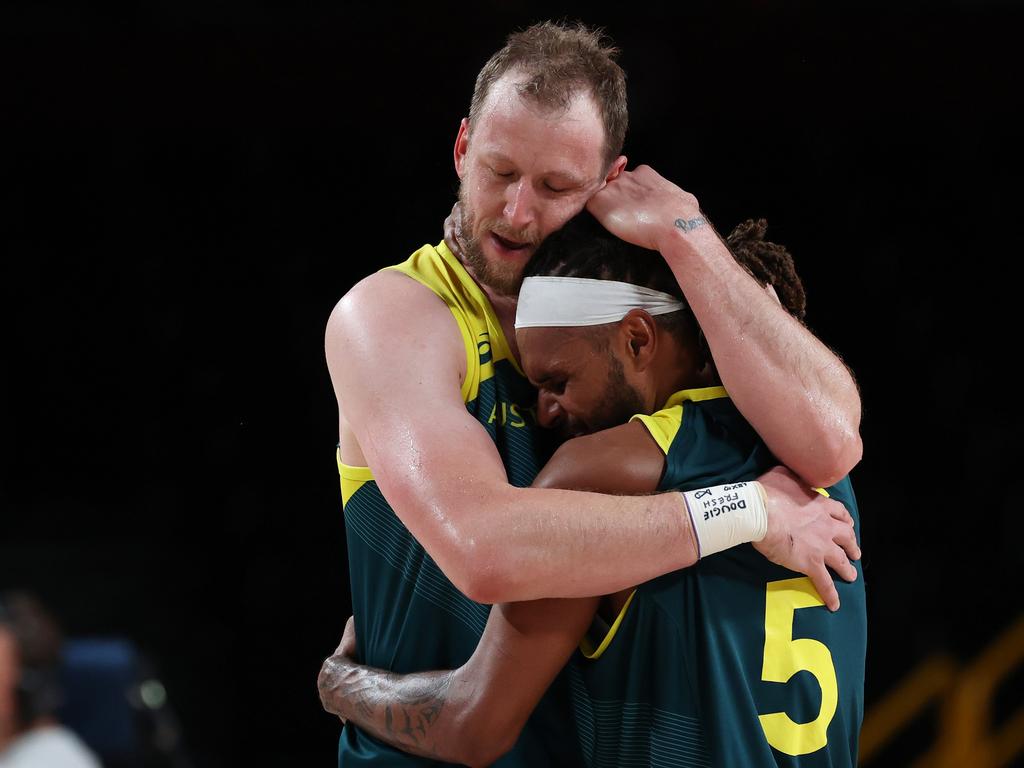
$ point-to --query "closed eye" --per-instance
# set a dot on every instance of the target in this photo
(555, 386)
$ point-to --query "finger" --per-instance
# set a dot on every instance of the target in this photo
(847, 539)
(840, 512)
(836, 560)
(822, 580)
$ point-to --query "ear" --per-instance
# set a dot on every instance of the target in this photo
(616, 168)
(640, 338)
(461, 146)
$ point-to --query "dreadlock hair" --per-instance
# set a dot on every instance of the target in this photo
(769, 263)
(584, 248)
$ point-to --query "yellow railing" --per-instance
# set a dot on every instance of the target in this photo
(965, 694)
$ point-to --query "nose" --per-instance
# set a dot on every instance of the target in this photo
(549, 412)
(520, 203)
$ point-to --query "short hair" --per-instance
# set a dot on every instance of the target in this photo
(559, 60)
(37, 638)
(584, 248)
(33, 626)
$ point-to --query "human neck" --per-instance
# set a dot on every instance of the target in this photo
(504, 306)
(676, 369)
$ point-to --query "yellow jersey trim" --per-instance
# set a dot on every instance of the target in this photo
(352, 478)
(587, 648)
(665, 424)
(481, 331)
(500, 347)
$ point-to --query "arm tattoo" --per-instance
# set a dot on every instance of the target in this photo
(402, 710)
(688, 225)
(415, 709)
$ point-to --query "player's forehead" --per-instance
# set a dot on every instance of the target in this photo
(536, 138)
(548, 353)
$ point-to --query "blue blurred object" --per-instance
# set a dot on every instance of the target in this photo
(100, 678)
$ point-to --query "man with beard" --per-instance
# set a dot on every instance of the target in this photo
(697, 667)
(438, 439)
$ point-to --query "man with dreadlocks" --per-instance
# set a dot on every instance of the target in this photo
(698, 667)
(438, 436)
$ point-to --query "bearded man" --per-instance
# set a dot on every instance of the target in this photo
(438, 435)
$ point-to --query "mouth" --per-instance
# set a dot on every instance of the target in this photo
(509, 248)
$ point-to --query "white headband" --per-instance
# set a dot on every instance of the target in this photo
(547, 302)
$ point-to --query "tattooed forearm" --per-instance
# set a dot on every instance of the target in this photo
(404, 711)
(416, 707)
(688, 225)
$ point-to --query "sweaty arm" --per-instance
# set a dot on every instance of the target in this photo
(443, 476)
(397, 377)
(474, 714)
(794, 391)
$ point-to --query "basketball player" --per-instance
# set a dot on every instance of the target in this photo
(438, 433)
(695, 668)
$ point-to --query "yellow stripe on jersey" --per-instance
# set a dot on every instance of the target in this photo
(664, 424)
(352, 478)
(587, 647)
(438, 269)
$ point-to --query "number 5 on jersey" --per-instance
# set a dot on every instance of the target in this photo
(784, 657)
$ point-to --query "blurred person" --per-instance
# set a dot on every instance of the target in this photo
(698, 667)
(30, 735)
(438, 435)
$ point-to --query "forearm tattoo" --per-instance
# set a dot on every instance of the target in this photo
(688, 225)
(402, 710)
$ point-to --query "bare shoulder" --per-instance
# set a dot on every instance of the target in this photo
(385, 294)
(391, 311)
(623, 460)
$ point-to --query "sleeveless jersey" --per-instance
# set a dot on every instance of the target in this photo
(409, 616)
(732, 662)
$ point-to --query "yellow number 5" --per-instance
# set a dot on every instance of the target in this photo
(784, 657)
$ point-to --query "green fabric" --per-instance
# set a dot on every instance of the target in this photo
(681, 683)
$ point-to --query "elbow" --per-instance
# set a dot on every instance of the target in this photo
(484, 579)
(482, 752)
(479, 568)
(466, 541)
(482, 744)
(836, 455)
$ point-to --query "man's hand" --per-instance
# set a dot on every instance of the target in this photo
(333, 668)
(641, 206)
(807, 532)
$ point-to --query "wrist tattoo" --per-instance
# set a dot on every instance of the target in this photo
(688, 225)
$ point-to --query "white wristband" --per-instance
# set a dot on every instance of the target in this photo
(726, 515)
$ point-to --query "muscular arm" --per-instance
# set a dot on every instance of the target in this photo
(474, 714)
(396, 376)
(396, 356)
(793, 390)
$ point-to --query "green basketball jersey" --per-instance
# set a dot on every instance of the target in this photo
(734, 662)
(409, 616)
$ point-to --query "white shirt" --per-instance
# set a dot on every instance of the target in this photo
(51, 746)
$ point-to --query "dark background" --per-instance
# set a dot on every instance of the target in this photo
(189, 187)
